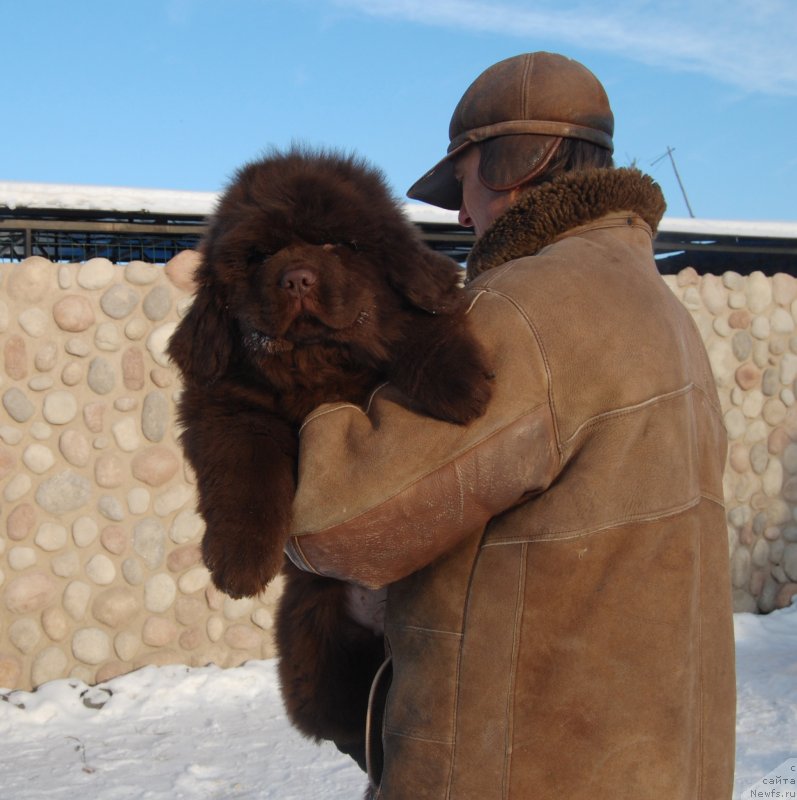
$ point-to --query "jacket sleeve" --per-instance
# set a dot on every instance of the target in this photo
(384, 491)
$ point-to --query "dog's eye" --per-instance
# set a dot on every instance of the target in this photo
(351, 244)
(258, 257)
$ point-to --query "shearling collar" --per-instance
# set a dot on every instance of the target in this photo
(545, 212)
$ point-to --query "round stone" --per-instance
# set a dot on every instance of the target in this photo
(760, 328)
(133, 371)
(100, 570)
(75, 448)
(735, 423)
(140, 273)
(114, 539)
(180, 269)
(742, 345)
(187, 525)
(774, 412)
(162, 377)
(17, 488)
(772, 479)
(782, 321)
(20, 558)
(19, 408)
(740, 319)
(93, 416)
(21, 520)
(784, 288)
(160, 592)
(188, 610)
(758, 291)
(107, 337)
(77, 347)
(115, 607)
(172, 499)
(788, 368)
(10, 669)
(109, 472)
(136, 329)
(132, 571)
(24, 635)
(155, 416)
(46, 357)
(101, 375)
(790, 458)
(91, 645)
(747, 376)
(67, 491)
(76, 599)
(125, 432)
(789, 561)
(40, 383)
(111, 508)
(73, 313)
(10, 435)
(149, 541)
(125, 404)
(190, 639)
(770, 382)
(59, 407)
(118, 301)
(65, 276)
(237, 609)
(96, 273)
(28, 593)
(741, 567)
(215, 628)
(49, 665)
(158, 631)
(194, 580)
(84, 531)
(5, 316)
(184, 557)
(33, 321)
(157, 304)
(721, 327)
(66, 565)
(55, 623)
(753, 403)
(242, 637)
(72, 373)
(30, 280)
(158, 341)
(138, 500)
(154, 465)
(263, 618)
(714, 294)
(126, 645)
(51, 537)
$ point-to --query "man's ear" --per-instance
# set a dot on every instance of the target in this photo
(428, 279)
(203, 342)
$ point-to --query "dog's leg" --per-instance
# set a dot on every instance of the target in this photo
(327, 661)
(245, 461)
(443, 369)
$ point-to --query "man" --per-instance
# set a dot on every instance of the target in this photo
(558, 609)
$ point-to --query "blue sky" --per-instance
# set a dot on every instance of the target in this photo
(176, 94)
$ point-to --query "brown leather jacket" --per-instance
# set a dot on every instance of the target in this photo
(559, 610)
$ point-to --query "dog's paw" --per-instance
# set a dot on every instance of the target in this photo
(240, 566)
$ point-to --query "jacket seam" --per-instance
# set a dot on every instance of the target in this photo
(509, 732)
(546, 363)
(427, 631)
(628, 410)
(416, 737)
(618, 523)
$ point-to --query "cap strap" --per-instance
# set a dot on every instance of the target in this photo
(545, 127)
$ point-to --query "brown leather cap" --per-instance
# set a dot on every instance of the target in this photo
(520, 109)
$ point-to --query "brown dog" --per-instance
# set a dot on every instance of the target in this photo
(313, 287)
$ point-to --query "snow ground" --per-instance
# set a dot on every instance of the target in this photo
(168, 733)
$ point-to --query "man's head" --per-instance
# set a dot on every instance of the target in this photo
(527, 117)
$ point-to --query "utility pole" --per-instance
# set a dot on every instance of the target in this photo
(670, 151)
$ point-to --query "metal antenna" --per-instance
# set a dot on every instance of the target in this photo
(670, 151)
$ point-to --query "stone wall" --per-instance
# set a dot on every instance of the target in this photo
(100, 568)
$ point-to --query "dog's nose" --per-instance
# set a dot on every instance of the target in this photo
(298, 281)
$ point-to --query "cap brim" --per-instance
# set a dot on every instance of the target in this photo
(439, 186)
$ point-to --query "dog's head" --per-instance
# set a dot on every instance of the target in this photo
(308, 248)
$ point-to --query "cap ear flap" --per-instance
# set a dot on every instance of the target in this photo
(203, 342)
(428, 279)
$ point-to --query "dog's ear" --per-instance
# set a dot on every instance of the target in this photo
(203, 342)
(428, 279)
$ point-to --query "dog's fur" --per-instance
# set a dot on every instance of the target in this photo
(313, 287)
